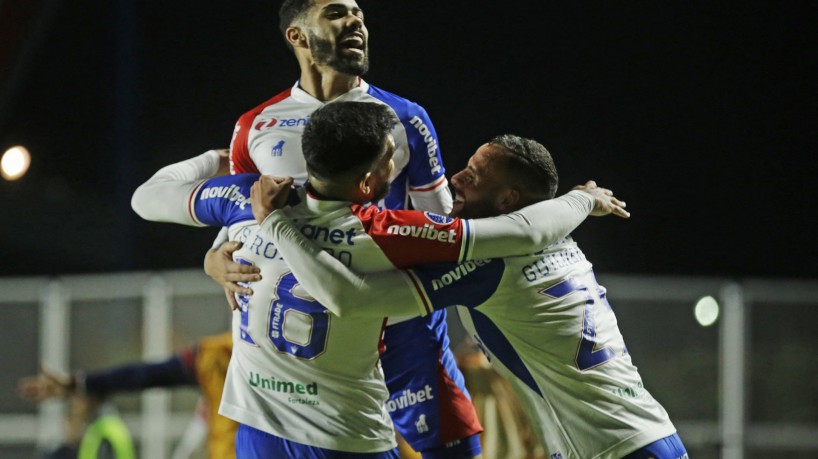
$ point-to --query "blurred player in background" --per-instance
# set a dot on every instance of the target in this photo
(203, 364)
(301, 379)
(542, 319)
(331, 44)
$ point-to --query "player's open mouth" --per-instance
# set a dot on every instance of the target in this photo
(354, 42)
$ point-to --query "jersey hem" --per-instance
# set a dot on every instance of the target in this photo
(640, 440)
(350, 445)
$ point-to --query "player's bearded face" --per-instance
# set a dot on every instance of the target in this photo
(348, 53)
(477, 186)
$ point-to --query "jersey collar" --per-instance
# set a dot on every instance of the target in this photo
(303, 96)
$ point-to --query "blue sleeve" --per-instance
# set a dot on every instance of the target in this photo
(224, 200)
(137, 376)
(468, 284)
(425, 161)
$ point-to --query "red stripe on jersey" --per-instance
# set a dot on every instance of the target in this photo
(410, 237)
(240, 160)
(191, 202)
(442, 181)
(422, 294)
(457, 416)
(381, 344)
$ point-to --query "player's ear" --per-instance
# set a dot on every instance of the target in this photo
(296, 37)
(364, 185)
(508, 200)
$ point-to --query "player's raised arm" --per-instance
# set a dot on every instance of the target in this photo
(542, 224)
(347, 293)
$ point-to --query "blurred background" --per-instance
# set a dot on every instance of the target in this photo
(701, 115)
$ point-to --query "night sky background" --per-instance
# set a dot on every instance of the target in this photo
(701, 115)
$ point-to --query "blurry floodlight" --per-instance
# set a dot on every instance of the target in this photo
(706, 311)
(15, 163)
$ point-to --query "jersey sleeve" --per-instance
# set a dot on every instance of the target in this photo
(469, 284)
(428, 187)
(223, 201)
(166, 196)
(409, 238)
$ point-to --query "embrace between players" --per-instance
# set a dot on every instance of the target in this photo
(332, 343)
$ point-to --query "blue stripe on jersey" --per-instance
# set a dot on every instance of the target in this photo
(469, 284)
(490, 337)
(225, 200)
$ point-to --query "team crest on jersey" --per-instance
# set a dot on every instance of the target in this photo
(557, 455)
(439, 219)
(278, 149)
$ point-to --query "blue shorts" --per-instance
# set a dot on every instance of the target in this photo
(252, 443)
(428, 400)
(667, 448)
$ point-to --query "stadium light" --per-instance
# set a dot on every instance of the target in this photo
(15, 163)
(706, 311)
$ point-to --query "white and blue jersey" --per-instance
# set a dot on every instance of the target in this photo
(267, 140)
(545, 324)
(297, 371)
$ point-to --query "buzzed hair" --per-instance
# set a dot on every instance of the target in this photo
(290, 12)
(345, 137)
(530, 165)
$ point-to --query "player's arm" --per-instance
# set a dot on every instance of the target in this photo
(542, 224)
(336, 287)
(165, 197)
(428, 187)
(345, 292)
(179, 370)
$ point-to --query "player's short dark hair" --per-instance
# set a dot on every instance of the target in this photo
(343, 137)
(289, 12)
(530, 165)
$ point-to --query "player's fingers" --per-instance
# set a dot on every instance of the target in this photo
(242, 277)
(617, 202)
(233, 267)
(230, 247)
(231, 300)
(620, 212)
(233, 287)
(591, 184)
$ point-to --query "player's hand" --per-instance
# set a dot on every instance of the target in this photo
(219, 265)
(48, 384)
(604, 201)
(224, 161)
(268, 194)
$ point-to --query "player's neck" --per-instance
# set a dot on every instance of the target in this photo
(331, 192)
(326, 84)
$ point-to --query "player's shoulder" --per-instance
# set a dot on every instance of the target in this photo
(405, 109)
(252, 113)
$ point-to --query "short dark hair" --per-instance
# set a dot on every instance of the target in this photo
(289, 12)
(343, 137)
(530, 165)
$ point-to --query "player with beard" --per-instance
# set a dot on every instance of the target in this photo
(541, 319)
(330, 42)
(302, 381)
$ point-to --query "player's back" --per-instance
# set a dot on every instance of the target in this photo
(298, 371)
(546, 325)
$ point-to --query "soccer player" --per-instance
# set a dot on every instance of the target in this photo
(330, 41)
(203, 364)
(303, 382)
(542, 319)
